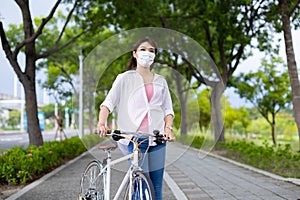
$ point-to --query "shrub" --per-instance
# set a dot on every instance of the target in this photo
(20, 166)
(280, 160)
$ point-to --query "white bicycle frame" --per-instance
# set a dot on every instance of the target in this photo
(134, 165)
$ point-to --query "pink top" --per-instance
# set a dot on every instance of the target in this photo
(144, 127)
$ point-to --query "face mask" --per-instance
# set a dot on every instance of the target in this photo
(145, 58)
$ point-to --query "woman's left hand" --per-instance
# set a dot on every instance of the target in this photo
(169, 134)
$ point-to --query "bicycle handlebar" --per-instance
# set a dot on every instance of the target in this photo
(117, 135)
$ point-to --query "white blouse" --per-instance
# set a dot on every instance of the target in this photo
(129, 97)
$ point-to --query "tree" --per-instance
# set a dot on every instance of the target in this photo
(288, 9)
(182, 84)
(63, 71)
(223, 28)
(284, 15)
(268, 90)
(34, 50)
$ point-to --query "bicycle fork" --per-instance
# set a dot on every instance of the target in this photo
(128, 176)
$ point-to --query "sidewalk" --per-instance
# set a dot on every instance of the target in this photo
(204, 177)
(189, 175)
(63, 183)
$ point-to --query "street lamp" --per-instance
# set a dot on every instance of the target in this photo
(80, 57)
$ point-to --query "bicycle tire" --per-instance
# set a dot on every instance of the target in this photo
(92, 184)
(140, 180)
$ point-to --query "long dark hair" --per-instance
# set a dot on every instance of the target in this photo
(132, 63)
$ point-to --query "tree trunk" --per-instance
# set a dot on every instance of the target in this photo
(184, 123)
(35, 136)
(273, 129)
(91, 114)
(27, 78)
(182, 95)
(291, 62)
(216, 112)
(28, 81)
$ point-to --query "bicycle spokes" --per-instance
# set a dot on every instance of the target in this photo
(92, 183)
(141, 188)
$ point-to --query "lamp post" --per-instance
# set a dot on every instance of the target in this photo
(80, 94)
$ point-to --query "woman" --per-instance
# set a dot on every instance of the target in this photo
(144, 104)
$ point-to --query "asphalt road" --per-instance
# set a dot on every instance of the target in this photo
(10, 139)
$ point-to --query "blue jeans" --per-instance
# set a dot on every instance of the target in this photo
(153, 164)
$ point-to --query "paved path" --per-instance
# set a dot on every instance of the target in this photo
(205, 177)
(63, 184)
(189, 175)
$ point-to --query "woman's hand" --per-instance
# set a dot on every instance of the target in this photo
(101, 129)
(169, 134)
(168, 131)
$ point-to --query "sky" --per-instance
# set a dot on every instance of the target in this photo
(10, 14)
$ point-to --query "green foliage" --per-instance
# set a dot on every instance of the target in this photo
(268, 89)
(237, 116)
(197, 141)
(285, 126)
(20, 166)
(281, 160)
(204, 107)
(14, 118)
(15, 34)
(48, 110)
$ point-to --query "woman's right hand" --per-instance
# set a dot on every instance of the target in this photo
(101, 129)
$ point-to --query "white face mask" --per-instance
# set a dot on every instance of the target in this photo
(145, 58)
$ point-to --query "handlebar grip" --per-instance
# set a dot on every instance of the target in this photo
(116, 136)
(159, 138)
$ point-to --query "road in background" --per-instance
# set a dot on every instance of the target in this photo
(10, 139)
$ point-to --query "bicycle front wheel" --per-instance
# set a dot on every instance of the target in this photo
(141, 188)
(92, 183)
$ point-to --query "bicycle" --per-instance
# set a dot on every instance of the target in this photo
(95, 181)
